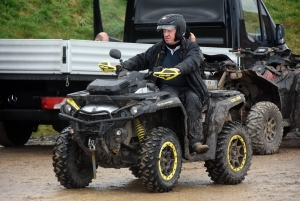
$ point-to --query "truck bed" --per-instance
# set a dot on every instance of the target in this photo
(43, 58)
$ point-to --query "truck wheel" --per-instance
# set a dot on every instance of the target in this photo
(265, 127)
(135, 171)
(233, 155)
(160, 160)
(15, 133)
(72, 166)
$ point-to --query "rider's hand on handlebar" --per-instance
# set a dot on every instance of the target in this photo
(118, 68)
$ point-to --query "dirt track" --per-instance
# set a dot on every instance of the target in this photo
(26, 173)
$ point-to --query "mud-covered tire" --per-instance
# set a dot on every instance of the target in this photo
(15, 133)
(72, 166)
(265, 128)
(160, 160)
(233, 155)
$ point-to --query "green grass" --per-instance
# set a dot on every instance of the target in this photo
(73, 19)
(287, 12)
(44, 130)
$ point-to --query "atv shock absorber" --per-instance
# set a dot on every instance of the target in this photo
(139, 129)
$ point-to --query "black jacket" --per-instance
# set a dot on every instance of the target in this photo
(190, 66)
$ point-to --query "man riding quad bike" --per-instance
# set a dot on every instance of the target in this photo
(129, 123)
(271, 89)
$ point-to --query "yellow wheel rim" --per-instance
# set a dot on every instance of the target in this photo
(236, 153)
(167, 161)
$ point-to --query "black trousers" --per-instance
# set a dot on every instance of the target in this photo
(193, 108)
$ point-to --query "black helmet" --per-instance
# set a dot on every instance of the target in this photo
(177, 21)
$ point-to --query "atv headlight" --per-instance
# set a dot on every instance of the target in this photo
(133, 110)
(67, 109)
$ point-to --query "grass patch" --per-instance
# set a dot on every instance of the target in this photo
(49, 19)
(44, 130)
(287, 12)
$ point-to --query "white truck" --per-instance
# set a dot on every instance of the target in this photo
(36, 74)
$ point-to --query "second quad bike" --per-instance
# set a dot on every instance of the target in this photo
(271, 89)
(129, 123)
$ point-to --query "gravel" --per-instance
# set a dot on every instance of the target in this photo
(44, 140)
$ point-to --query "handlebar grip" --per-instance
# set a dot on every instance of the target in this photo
(233, 50)
(119, 68)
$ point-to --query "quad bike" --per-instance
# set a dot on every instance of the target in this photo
(129, 123)
(271, 89)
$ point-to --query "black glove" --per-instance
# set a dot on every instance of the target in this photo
(157, 69)
(119, 68)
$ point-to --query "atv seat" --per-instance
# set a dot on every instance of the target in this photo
(216, 62)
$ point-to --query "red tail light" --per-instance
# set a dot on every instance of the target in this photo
(52, 103)
(269, 75)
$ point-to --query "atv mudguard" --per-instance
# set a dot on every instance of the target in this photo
(165, 104)
(219, 104)
(295, 102)
(263, 85)
(160, 105)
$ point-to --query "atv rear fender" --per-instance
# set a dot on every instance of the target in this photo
(254, 86)
(220, 103)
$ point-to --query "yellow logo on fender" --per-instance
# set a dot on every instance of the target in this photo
(235, 99)
(165, 103)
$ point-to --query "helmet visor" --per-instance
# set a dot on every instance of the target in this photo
(168, 27)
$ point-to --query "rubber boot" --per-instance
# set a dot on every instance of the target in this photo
(200, 148)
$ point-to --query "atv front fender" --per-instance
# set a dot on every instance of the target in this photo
(164, 104)
(160, 105)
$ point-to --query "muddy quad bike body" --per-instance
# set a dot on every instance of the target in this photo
(129, 123)
(271, 91)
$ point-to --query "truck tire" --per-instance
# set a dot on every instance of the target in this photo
(233, 155)
(160, 160)
(72, 166)
(265, 127)
(15, 133)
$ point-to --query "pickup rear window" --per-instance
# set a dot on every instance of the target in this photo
(194, 11)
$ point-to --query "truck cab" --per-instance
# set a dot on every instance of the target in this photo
(216, 23)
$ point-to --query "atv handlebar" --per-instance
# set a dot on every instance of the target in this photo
(106, 67)
(165, 73)
(160, 72)
(260, 53)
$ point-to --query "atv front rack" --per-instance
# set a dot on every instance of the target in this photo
(89, 123)
(85, 95)
(104, 124)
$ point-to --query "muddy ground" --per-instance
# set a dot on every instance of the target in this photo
(26, 173)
